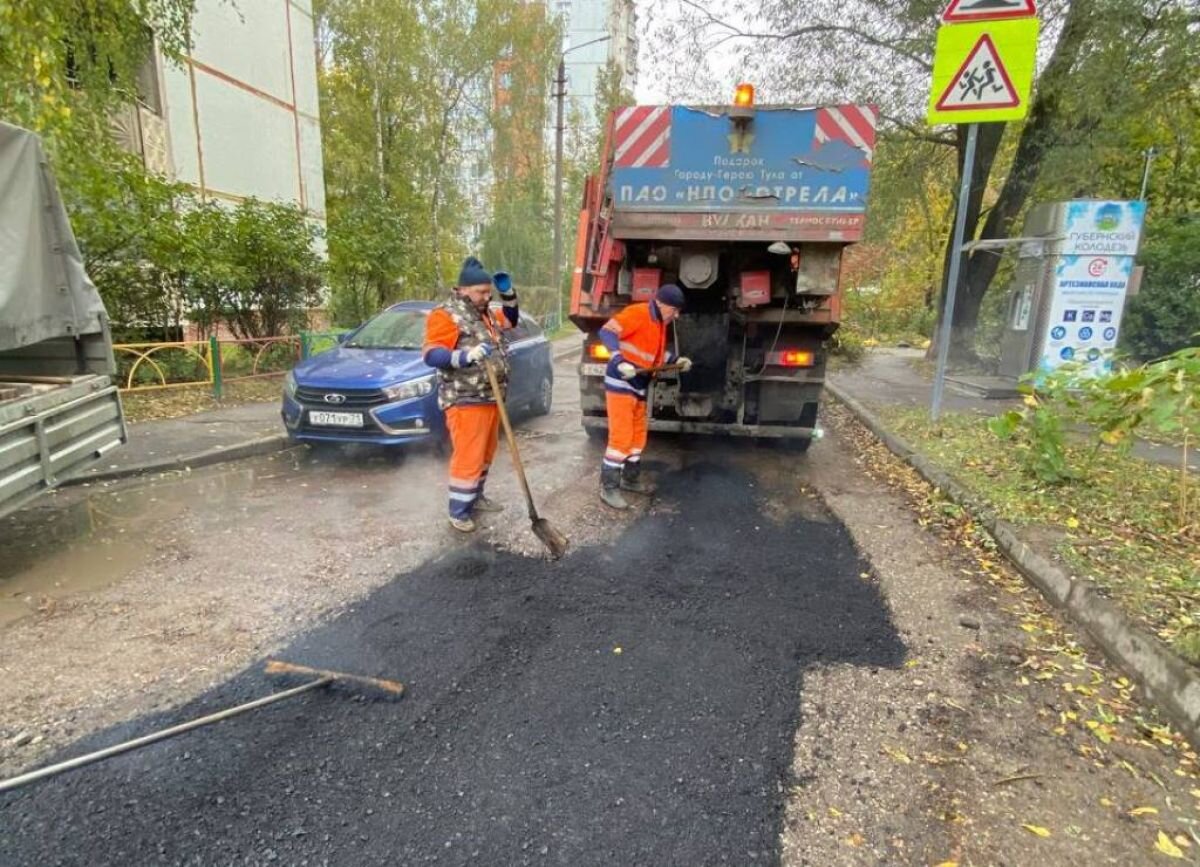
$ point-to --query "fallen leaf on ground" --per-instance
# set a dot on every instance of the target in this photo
(1040, 831)
(1168, 848)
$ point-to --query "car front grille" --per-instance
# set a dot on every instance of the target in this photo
(354, 398)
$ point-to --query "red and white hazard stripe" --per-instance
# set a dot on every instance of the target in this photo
(643, 136)
(853, 124)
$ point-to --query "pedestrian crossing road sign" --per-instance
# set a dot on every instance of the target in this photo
(983, 72)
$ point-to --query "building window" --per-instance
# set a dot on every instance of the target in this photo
(148, 93)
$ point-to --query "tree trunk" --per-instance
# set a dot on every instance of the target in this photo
(435, 204)
(986, 145)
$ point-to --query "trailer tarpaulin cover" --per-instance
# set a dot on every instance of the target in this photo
(44, 290)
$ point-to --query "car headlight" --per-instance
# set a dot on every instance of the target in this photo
(289, 384)
(409, 390)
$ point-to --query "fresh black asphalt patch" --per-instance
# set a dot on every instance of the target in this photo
(631, 704)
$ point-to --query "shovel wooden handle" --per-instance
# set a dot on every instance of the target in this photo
(511, 437)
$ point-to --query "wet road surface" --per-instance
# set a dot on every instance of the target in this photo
(814, 668)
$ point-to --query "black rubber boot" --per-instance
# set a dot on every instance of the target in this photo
(632, 481)
(610, 488)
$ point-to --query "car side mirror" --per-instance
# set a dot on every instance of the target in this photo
(343, 337)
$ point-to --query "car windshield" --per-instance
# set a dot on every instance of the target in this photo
(392, 329)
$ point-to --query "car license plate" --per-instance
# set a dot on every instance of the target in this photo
(592, 369)
(335, 419)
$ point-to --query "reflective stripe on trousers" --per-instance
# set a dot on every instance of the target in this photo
(474, 435)
(628, 427)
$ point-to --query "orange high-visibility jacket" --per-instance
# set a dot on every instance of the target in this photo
(641, 339)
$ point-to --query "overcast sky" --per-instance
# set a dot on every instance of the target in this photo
(664, 76)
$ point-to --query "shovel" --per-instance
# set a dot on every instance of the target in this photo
(555, 542)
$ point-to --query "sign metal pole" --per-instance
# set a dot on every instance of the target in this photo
(960, 223)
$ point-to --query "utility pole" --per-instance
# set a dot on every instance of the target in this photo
(956, 253)
(560, 94)
(560, 91)
(1149, 153)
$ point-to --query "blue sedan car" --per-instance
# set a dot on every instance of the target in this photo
(374, 386)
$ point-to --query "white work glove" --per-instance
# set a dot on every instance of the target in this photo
(478, 353)
(685, 364)
(627, 370)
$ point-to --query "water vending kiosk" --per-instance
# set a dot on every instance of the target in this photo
(1069, 288)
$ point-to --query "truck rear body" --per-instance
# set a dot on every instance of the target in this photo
(748, 210)
(59, 409)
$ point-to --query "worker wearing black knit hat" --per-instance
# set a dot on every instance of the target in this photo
(637, 339)
(461, 336)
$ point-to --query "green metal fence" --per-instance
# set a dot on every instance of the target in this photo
(143, 367)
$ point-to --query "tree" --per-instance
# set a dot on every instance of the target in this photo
(371, 247)
(64, 63)
(406, 99)
(253, 268)
(519, 235)
(1165, 316)
(130, 235)
(583, 141)
(379, 106)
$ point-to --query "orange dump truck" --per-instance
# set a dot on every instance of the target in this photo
(748, 210)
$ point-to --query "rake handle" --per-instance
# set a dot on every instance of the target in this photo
(160, 735)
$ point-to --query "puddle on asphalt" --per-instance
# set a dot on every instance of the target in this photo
(81, 540)
(87, 541)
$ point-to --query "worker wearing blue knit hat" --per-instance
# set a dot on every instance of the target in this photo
(637, 339)
(462, 335)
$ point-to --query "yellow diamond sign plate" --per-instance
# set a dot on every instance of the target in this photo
(983, 72)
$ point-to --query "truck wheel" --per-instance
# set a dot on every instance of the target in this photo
(597, 434)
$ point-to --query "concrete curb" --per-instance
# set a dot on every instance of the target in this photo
(219, 454)
(1170, 682)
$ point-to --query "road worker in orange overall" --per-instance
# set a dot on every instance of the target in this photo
(637, 339)
(462, 335)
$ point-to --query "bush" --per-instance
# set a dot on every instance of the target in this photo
(847, 343)
(254, 268)
(1039, 433)
(1162, 397)
(159, 255)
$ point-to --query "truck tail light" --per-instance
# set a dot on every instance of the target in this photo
(599, 352)
(792, 358)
